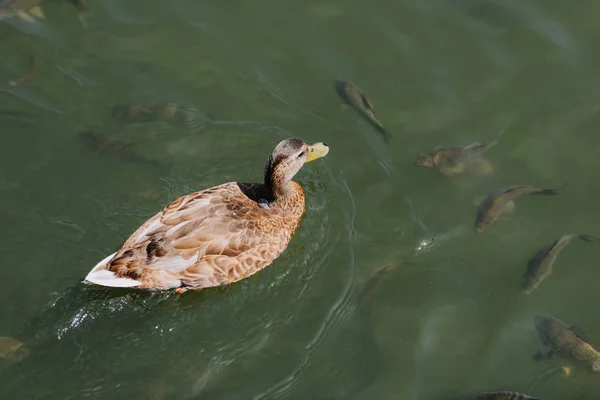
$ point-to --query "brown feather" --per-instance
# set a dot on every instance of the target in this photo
(219, 235)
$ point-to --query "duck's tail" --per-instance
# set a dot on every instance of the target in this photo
(99, 275)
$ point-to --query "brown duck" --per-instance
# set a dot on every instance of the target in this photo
(216, 236)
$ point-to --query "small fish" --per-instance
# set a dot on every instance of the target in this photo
(501, 395)
(540, 266)
(104, 145)
(169, 112)
(355, 98)
(561, 340)
(491, 207)
(8, 346)
(454, 157)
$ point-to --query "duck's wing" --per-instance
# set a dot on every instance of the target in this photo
(200, 240)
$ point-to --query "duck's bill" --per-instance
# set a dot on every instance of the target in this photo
(316, 151)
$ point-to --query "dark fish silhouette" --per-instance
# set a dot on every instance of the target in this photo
(501, 395)
(540, 266)
(105, 145)
(491, 207)
(559, 339)
(170, 112)
(376, 278)
(454, 158)
(355, 98)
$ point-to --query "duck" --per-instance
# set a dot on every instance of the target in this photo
(217, 236)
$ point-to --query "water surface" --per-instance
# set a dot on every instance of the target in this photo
(446, 319)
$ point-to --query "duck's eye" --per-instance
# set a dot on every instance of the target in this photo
(302, 154)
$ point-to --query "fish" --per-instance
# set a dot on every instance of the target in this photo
(491, 207)
(454, 158)
(561, 340)
(169, 112)
(501, 395)
(355, 98)
(376, 278)
(105, 145)
(540, 266)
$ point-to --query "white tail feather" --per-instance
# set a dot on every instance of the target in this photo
(101, 276)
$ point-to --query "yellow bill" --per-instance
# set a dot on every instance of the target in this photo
(316, 151)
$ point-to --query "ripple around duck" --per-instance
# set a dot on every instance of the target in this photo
(189, 332)
(439, 72)
(343, 309)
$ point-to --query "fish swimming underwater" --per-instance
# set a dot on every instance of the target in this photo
(540, 266)
(491, 207)
(105, 145)
(355, 98)
(169, 112)
(454, 159)
(559, 339)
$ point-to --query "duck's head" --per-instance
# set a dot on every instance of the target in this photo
(286, 160)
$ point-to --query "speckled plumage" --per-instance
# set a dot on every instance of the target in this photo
(219, 235)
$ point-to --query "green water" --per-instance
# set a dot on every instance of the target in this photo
(446, 320)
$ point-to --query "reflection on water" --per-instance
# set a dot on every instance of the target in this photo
(385, 291)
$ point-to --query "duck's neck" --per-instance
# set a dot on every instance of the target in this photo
(279, 189)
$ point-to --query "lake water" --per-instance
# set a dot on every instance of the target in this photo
(445, 319)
